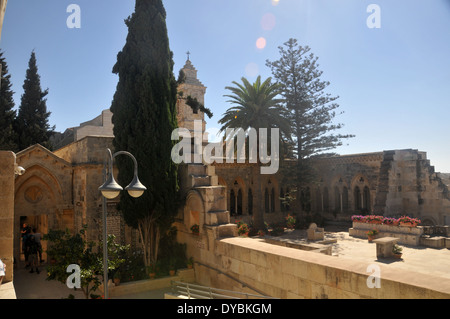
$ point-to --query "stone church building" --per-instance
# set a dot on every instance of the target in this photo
(59, 189)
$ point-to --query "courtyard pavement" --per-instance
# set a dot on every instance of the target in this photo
(419, 259)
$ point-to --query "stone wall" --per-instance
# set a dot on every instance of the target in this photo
(7, 160)
(249, 265)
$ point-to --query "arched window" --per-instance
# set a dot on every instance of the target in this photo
(232, 203)
(250, 201)
(239, 202)
(326, 201)
(306, 200)
(272, 201)
(266, 200)
(357, 198)
(345, 205)
(366, 199)
(282, 205)
(337, 200)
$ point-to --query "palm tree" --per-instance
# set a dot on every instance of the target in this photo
(256, 106)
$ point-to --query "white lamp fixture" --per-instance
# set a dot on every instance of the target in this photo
(110, 190)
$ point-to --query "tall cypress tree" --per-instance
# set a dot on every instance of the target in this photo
(7, 114)
(144, 116)
(33, 119)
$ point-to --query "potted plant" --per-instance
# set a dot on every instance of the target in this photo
(195, 229)
(290, 221)
(397, 251)
(152, 271)
(117, 278)
(243, 229)
(190, 263)
(371, 235)
(172, 269)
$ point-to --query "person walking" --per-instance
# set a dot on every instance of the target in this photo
(32, 249)
(26, 230)
(37, 238)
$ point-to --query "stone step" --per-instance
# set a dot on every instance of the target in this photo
(227, 230)
(217, 217)
(200, 180)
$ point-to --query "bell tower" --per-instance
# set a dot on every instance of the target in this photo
(194, 88)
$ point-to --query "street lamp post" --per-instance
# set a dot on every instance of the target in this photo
(111, 189)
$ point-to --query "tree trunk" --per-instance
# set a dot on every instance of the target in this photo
(150, 237)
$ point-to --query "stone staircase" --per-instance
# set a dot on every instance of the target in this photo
(203, 179)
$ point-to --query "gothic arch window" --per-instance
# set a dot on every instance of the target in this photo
(272, 201)
(337, 200)
(250, 201)
(306, 199)
(357, 198)
(232, 203)
(345, 204)
(366, 199)
(266, 200)
(319, 206)
(239, 202)
(326, 202)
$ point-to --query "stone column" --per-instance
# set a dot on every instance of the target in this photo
(7, 162)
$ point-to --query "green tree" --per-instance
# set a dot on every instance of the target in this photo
(67, 249)
(7, 112)
(256, 106)
(311, 109)
(33, 119)
(144, 116)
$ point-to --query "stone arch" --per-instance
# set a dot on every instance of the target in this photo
(361, 194)
(271, 200)
(428, 221)
(39, 202)
(237, 200)
(194, 210)
(339, 194)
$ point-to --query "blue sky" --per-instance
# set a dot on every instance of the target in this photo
(393, 81)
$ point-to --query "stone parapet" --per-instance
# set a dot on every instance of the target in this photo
(406, 235)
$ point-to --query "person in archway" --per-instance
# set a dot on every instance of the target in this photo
(25, 232)
(32, 248)
(37, 238)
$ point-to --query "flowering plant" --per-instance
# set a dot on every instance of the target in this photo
(390, 221)
(243, 229)
(358, 218)
(195, 229)
(407, 219)
(372, 232)
(374, 218)
(290, 221)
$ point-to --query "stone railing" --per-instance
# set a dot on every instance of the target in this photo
(406, 234)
